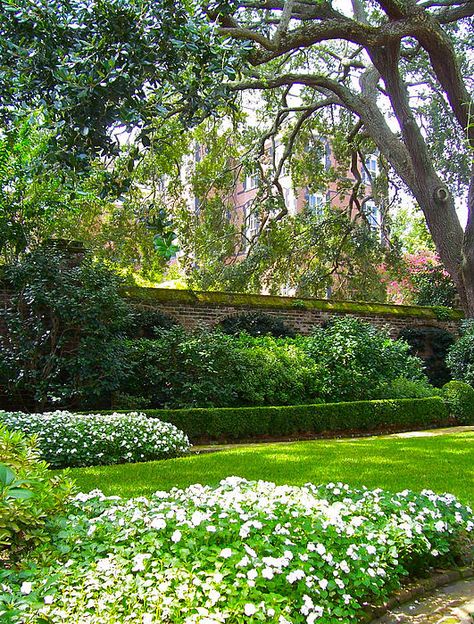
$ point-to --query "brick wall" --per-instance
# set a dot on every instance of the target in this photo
(193, 310)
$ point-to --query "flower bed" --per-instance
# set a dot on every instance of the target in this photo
(241, 552)
(66, 439)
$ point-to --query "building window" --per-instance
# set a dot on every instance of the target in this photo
(315, 202)
(372, 214)
(251, 225)
(327, 156)
(250, 181)
(372, 167)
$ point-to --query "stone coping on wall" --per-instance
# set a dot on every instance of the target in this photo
(242, 300)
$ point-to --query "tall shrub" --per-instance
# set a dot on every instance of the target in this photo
(209, 369)
(460, 359)
(61, 343)
(356, 359)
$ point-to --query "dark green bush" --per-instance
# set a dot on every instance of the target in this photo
(432, 345)
(23, 516)
(349, 360)
(460, 359)
(250, 422)
(356, 360)
(256, 324)
(62, 343)
(147, 322)
(459, 398)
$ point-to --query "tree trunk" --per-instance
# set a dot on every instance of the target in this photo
(467, 253)
(434, 198)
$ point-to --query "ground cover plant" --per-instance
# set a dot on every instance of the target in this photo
(66, 439)
(244, 551)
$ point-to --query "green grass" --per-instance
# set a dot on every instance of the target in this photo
(443, 463)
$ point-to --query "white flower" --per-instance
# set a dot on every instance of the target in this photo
(147, 618)
(158, 523)
(226, 553)
(49, 599)
(250, 609)
(139, 562)
(214, 596)
(176, 537)
(267, 573)
(26, 587)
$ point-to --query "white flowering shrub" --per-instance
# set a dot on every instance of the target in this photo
(66, 439)
(241, 552)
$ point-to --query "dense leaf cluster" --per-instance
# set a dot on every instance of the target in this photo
(39, 496)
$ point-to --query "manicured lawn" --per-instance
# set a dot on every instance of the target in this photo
(443, 463)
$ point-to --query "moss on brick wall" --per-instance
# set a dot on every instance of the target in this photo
(240, 300)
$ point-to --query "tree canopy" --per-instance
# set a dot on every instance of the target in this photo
(390, 76)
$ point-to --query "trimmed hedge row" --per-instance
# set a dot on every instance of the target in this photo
(247, 422)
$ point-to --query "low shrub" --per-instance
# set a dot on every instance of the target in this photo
(460, 359)
(66, 439)
(29, 496)
(256, 324)
(244, 551)
(459, 398)
(249, 422)
(357, 359)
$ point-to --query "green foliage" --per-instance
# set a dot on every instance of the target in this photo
(251, 422)
(212, 369)
(408, 389)
(459, 398)
(64, 439)
(460, 359)
(256, 324)
(29, 496)
(432, 344)
(349, 360)
(94, 66)
(63, 326)
(356, 359)
(434, 287)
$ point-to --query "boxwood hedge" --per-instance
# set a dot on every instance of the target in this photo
(234, 423)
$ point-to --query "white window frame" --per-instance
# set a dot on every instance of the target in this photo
(316, 202)
(372, 166)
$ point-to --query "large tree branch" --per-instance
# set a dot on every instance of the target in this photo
(339, 27)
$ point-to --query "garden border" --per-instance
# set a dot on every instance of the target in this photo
(239, 423)
(415, 590)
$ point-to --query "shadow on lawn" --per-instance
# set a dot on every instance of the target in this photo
(443, 463)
